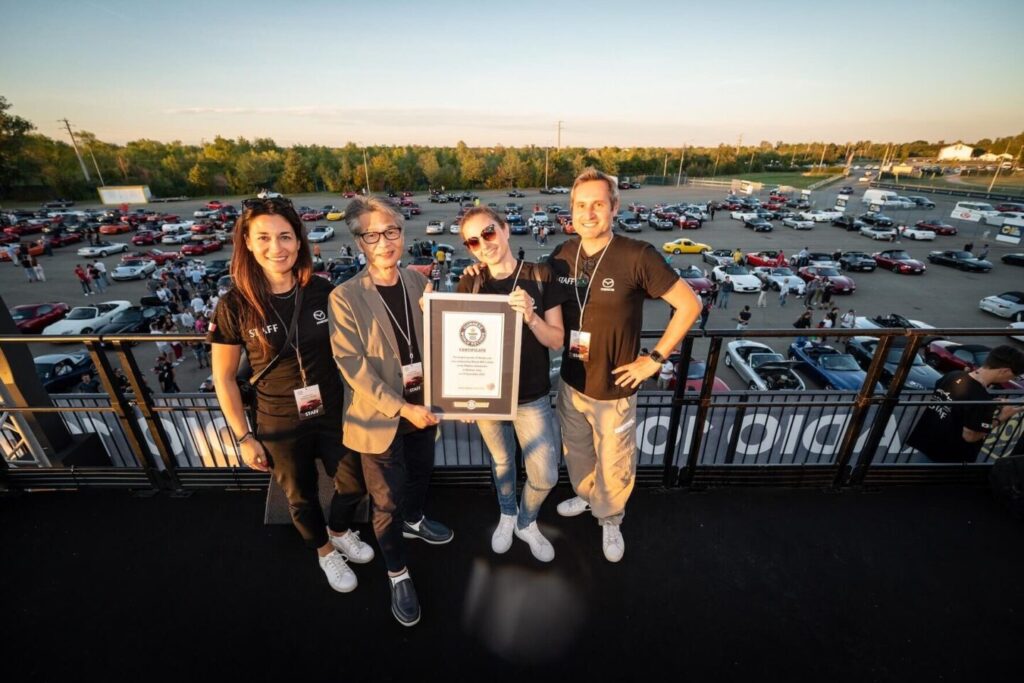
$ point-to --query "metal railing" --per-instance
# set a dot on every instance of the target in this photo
(948, 190)
(684, 437)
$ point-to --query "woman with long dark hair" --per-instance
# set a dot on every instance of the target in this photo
(277, 312)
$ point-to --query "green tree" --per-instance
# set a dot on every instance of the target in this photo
(14, 132)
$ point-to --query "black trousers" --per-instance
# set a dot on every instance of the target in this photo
(293, 447)
(397, 480)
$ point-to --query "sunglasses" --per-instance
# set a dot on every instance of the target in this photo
(374, 237)
(488, 233)
(266, 204)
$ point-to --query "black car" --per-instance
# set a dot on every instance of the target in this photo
(1014, 259)
(849, 223)
(459, 265)
(342, 269)
(516, 193)
(877, 219)
(758, 225)
(964, 260)
(921, 375)
(133, 319)
(857, 260)
(63, 371)
(845, 189)
(922, 202)
(217, 268)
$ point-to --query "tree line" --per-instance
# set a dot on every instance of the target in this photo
(33, 165)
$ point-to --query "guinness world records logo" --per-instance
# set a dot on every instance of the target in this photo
(472, 333)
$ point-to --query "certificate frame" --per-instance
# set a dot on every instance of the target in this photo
(498, 322)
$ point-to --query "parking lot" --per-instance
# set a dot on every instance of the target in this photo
(942, 297)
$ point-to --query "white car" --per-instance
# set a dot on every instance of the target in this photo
(820, 215)
(1000, 218)
(175, 238)
(798, 223)
(177, 227)
(762, 368)
(103, 249)
(694, 210)
(267, 194)
(320, 233)
(205, 213)
(912, 233)
(136, 269)
(86, 319)
(779, 277)
(742, 215)
(1005, 305)
(560, 190)
(893, 320)
(742, 279)
(435, 228)
(1016, 331)
(877, 233)
(538, 218)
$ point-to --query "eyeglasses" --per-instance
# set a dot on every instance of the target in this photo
(275, 202)
(374, 237)
(488, 233)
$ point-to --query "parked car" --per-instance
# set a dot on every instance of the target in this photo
(964, 260)
(435, 227)
(892, 320)
(849, 223)
(320, 233)
(841, 284)
(422, 265)
(134, 319)
(33, 318)
(798, 223)
(156, 255)
(718, 257)
(876, 219)
(922, 202)
(1006, 305)
(1013, 259)
(200, 248)
(145, 238)
(87, 319)
(761, 368)
(779, 277)
(62, 372)
(684, 246)
(335, 215)
(694, 277)
(899, 261)
(937, 226)
(832, 369)
(879, 233)
(758, 225)
(945, 355)
(742, 279)
(102, 249)
(765, 257)
(916, 233)
(133, 269)
(115, 229)
(820, 215)
(919, 376)
(857, 260)
(629, 225)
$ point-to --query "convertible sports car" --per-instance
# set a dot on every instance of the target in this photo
(102, 249)
(832, 369)
(144, 238)
(857, 260)
(899, 261)
(33, 318)
(694, 277)
(87, 319)
(767, 257)
(1006, 305)
(964, 260)
(200, 248)
(758, 224)
(320, 233)
(877, 232)
(62, 371)
(684, 246)
(841, 284)
(877, 219)
(718, 257)
(134, 269)
(760, 367)
(917, 233)
(777, 278)
(1013, 259)
(820, 216)
(945, 355)
(798, 223)
(893, 320)
(160, 257)
(849, 223)
(920, 376)
(742, 279)
(937, 226)
(133, 319)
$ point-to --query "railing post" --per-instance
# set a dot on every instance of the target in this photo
(860, 410)
(677, 408)
(884, 412)
(125, 415)
(144, 402)
(714, 350)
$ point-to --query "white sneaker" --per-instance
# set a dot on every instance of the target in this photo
(612, 541)
(572, 507)
(349, 545)
(539, 546)
(341, 578)
(501, 540)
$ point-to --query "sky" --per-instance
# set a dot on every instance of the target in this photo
(614, 73)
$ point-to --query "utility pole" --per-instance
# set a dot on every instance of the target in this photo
(559, 138)
(719, 156)
(81, 162)
(94, 164)
(679, 176)
(821, 163)
(545, 168)
(999, 166)
(366, 169)
(664, 171)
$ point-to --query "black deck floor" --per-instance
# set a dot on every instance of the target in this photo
(909, 585)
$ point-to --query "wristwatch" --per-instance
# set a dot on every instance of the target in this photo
(656, 357)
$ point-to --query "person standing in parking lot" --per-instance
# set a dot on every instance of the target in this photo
(726, 290)
(83, 279)
(609, 278)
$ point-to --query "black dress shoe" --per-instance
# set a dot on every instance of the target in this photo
(404, 603)
(430, 531)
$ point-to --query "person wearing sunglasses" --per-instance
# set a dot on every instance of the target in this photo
(532, 292)
(377, 337)
(609, 279)
(275, 313)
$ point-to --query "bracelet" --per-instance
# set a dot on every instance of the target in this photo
(245, 437)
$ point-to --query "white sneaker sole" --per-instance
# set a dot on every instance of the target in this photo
(573, 512)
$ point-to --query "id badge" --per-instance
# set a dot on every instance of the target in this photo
(308, 401)
(412, 378)
(579, 345)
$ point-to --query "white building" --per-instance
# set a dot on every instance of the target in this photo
(989, 157)
(957, 152)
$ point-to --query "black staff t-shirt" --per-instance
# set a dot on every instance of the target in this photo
(312, 336)
(630, 272)
(939, 432)
(535, 361)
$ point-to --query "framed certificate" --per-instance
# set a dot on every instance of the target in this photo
(471, 356)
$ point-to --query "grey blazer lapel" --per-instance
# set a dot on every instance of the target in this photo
(371, 297)
(414, 294)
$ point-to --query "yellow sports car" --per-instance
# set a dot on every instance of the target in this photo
(684, 246)
(335, 215)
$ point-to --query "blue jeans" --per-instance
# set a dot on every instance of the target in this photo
(534, 426)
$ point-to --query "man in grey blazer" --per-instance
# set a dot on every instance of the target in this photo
(377, 337)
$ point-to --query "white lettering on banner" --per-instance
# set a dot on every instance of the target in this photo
(793, 434)
(818, 447)
(769, 434)
(650, 439)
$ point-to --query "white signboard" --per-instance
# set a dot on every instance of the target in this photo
(1010, 231)
(125, 194)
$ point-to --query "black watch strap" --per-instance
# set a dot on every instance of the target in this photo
(657, 357)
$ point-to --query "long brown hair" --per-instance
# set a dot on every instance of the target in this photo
(246, 273)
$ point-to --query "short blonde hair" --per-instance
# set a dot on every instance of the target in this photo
(361, 206)
(590, 173)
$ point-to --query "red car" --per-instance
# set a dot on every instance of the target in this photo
(687, 223)
(694, 277)
(35, 249)
(695, 376)
(1010, 206)
(349, 194)
(313, 216)
(899, 261)
(945, 356)
(936, 226)
(214, 204)
(768, 257)
(115, 229)
(841, 284)
(202, 229)
(145, 238)
(32, 318)
(414, 208)
(62, 238)
(200, 248)
(24, 229)
(160, 257)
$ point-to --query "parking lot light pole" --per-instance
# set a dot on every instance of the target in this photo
(366, 170)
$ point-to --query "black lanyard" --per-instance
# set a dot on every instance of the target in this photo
(289, 340)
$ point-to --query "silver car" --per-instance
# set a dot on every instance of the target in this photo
(762, 368)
